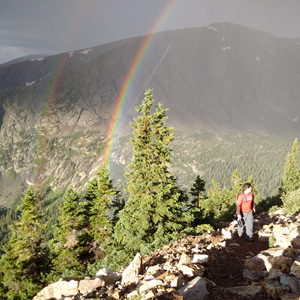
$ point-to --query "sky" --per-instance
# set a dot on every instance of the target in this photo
(54, 26)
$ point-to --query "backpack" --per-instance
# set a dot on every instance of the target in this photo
(244, 197)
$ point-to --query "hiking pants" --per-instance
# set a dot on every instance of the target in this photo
(247, 219)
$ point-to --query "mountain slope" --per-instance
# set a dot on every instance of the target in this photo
(224, 79)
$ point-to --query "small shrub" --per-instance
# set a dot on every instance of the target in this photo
(274, 208)
(198, 230)
(291, 202)
(272, 241)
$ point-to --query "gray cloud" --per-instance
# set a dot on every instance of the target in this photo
(55, 26)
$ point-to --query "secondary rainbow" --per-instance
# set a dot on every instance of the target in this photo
(53, 83)
(128, 81)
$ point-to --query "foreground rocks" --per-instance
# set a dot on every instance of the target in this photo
(211, 266)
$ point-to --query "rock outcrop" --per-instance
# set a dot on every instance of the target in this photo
(188, 268)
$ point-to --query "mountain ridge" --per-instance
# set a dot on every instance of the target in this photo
(222, 79)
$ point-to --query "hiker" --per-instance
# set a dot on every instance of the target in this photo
(245, 207)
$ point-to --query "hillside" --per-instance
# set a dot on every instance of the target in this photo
(217, 265)
(223, 80)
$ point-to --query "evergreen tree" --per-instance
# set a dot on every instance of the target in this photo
(116, 206)
(237, 185)
(101, 225)
(25, 257)
(95, 215)
(197, 191)
(85, 236)
(212, 206)
(153, 214)
(66, 257)
(290, 178)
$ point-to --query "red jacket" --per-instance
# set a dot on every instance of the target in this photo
(245, 205)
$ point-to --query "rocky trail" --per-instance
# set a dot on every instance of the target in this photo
(212, 266)
(226, 265)
(227, 259)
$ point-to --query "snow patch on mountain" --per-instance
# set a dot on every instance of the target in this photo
(226, 48)
(294, 119)
(29, 83)
(212, 28)
(86, 51)
(38, 59)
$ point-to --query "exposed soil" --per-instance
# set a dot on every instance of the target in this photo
(227, 265)
(226, 262)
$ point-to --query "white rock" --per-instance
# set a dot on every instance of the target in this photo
(200, 258)
(295, 268)
(134, 269)
(133, 294)
(149, 285)
(227, 234)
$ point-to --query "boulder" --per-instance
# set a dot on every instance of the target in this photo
(255, 263)
(107, 275)
(192, 270)
(195, 289)
(245, 290)
(292, 282)
(149, 285)
(58, 289)
(275, 274)
(200, 258)
(275, 262)
(295, 243)
(289, 297)
(254, 275)
(295, 268)
(130, 274)
(274, 288)
(87, 286)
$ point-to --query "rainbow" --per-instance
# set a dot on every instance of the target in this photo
(53, 82)
(128, 81)
(59, 65)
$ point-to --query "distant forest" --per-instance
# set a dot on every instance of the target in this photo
(210, 156)
(216, 157)
(66, 234)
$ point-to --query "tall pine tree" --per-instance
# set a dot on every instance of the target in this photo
(197, 191)
(101, 225)
(95, 216)
(290, 178)
(25, 256)
(66, 257)
(153, 214)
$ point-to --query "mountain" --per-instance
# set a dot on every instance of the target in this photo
(223, 80)
(23, 58)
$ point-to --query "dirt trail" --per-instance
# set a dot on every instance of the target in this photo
(227, 265)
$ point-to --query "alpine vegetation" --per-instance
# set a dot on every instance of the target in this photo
(97, 228)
